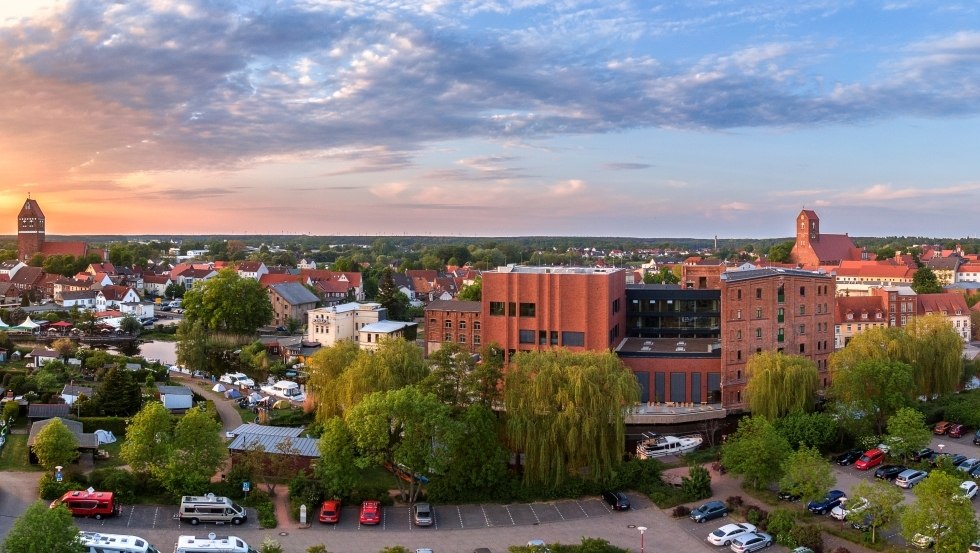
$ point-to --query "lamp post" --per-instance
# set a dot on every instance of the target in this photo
(642, 530)
(843, 503)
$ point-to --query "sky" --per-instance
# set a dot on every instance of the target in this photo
(491, 117)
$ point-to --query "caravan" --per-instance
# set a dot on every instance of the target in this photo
(114, 543)
(212, 544)
(210, 508)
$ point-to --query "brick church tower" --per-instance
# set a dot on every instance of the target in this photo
(30, 230)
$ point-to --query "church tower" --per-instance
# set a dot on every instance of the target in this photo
(30, 230)
(807, 228)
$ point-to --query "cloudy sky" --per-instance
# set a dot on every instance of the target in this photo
(491, 117)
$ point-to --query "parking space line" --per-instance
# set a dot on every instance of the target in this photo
(460, 514)
(536, 519)
(581, 508)
(485, 517)
(559, 511)
(506, 508)
(132, 511)
(155, 513)
(435, 519)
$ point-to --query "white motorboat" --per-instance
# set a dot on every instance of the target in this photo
(658, 445)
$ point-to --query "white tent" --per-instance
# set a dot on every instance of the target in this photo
(105, 436)
(219, 387)
(3, 324)
(28, 324)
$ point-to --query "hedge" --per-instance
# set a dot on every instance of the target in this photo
(116, 425)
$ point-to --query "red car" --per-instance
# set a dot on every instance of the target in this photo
(330, 511)
(956, 430)
(871, 458)
(371, 512)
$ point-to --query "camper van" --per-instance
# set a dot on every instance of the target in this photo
(89, 503)
(114, 543)
(286, 390)
(210, 508)
(212, 544)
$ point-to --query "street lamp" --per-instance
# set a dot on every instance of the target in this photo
(642, 530)
(843, 509)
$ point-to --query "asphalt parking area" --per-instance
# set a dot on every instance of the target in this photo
(150, 516)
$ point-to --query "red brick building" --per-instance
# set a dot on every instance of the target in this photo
(771, 309)
(701, 273)
(674, 370)
(453, 321)
(535, 308)
(813, 249)
(31, 236)
(901, 303)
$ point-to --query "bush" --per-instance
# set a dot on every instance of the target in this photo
(317, 549)
(122, 482)
(734, 503)
(49, 488)
(267, 515)
(780, 523)
(808, 536)
(270, 545)
(697, 485)
(756, 516)
(116, 425)
(681, 511)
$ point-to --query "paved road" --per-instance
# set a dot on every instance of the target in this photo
(17, 491)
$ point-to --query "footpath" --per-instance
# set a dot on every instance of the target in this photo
(724, 486)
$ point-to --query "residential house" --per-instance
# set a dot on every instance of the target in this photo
(28, 281)
(856, 278)
(453, 321)
(306, 264)
(252, 269)
(330, 325)
(113, 297)
(370, 335)
(334, 283)
(9, 268)
(82, 299)
(189, 277)
(176, 398)
(70, 393)
(275, 441)
(156, 285)
(63, 284)
(290, 301)
(9, 295)
(42, 356)
(945, 268)
(951, 306)
(41, 411)
(902, 305)
(855, 314)
(87, 442)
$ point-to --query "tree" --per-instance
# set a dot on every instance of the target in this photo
(741, 452)
(390, 297)
(197, 451)
(907, 432)
(807, 474)
(399, 428)
(131, 325)
(147, 445)
(565, 413)
(64, 347)
(336, 467)
(174, 291)
(41, 529)
(924, 281)
(476, 462)
(457, 379)
(473, 292)
(55, 445)
(228, 303)
(780, 384)
(816, 430)
(883, 504)
(875, 388)
(942, 512)
(119, 395)
(779, 253)
(934, 349)
(697, 484)
(326, 369)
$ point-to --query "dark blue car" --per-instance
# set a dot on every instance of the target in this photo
(708, 511)
(824, 506)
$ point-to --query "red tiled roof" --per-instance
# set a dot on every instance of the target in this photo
(249, 266)
(156, 279)
(269, 279)
(952, 304)
(76, 249)
(835, 247)
(858, 305)
(314, 275)
(332, 286)
(870, 269)
(429, 275)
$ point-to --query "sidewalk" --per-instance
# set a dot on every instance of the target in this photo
(724, 486)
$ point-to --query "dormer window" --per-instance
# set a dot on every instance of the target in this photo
(850, 316)
(878, 315)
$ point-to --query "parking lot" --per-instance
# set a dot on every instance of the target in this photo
(397, 518)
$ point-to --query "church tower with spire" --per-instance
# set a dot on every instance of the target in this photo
(30, 230)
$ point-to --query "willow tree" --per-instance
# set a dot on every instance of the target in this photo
(565, 412)
(934, 350)
(326, 368)
(780, 384)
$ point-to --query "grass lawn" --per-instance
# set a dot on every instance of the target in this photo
(247, 415)
(114, 459)
(14, 455)
(375, 477)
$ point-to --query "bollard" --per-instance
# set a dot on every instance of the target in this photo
(302, 515)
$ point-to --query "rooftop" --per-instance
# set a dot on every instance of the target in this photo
(523, 269)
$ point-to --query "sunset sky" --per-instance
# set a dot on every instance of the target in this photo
(491, 117)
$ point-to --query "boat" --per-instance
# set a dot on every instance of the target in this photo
(285, 389)
(658, 445)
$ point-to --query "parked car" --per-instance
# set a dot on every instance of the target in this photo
(863, 524)
(956, 430)
(708, 511)
(824, 506)
(728, 532)
(371, 512)
(976, 438)
(941, 428)
(974, 547)
(848, 457)
(967, 465)
(422, 514)
(855, 505)
(889, 472)
(785, 495)
(909, 478)
(617, 500)
(802, 549)
(923, 541)
(924, 454)
(751, 542)
(330, 511)
(975, 473)
(954, 458)
(871, 458)
(969, 488)
(237, 379)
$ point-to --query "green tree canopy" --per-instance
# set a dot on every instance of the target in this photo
(147, 445)
(55, 445)
(476, 462)
(458, 380)
(807, 474)
(741, 453)
(924, 281)
(473, 292)
(228, 303)
(43, 530)
(874, 388)
(942, 512)
(391, 298)
(336, 468)
(907, 432)
(196, 452)
(119, 395)
(780, 384)
(565, 412)
(883, 504)
(779, 253)
(817, 430)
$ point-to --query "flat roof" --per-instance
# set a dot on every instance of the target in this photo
(559, 270)
(700, 347)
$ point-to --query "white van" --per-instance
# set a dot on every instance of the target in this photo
(210, 508)
(114, 543)
(175, 303)
(212, 544)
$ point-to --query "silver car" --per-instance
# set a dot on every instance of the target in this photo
(422, 514)
(909, 478)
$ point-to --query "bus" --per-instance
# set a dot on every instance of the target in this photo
(114, 543)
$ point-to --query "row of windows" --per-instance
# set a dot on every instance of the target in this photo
(462, 338)
(449, 324)
(677, 306)
(822, 345)
(822, 290)
(550, 338)
(526, 309)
